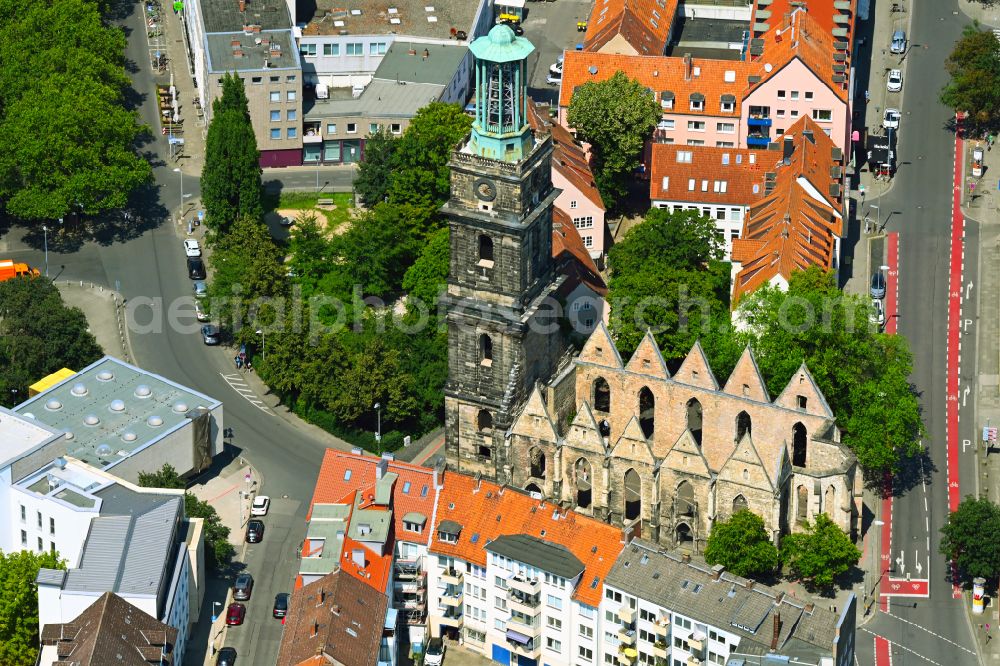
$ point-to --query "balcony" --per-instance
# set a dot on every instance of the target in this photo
(527, 626)
(626, 615)
(627, 655)
(411, 586)
(411, 603)
(525, 585)
(523, 645)
(759, 121)
(529, 605)
(452, 597)
(311, 133)
(408, 570)
(626, 635)
(451, 620)
(452, 577)
(660, 649)
(758, 141)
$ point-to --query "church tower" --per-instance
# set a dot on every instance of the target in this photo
(503, 334)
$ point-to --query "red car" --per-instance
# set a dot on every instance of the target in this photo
(235, 614)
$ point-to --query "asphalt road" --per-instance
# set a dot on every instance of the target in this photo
(919, 207)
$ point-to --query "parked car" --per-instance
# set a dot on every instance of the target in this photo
(890, 120)
(877, 315)
(553, 79)
(280, 605)
(894, 83)
(196, 268)
(192, 248)
(255, 531)
(261, 503)
(227, 657)
(898, 44)
(434, 656)
(235, 614)
(977, 162)
(199, 311)
(557, 68)
(200, 289)
(877, 288)
(243, 587)
(210, 335)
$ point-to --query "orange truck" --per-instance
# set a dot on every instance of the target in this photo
(8, 270)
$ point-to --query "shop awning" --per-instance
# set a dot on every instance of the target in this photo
(518, 637)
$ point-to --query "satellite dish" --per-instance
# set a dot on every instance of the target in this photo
(768, 67)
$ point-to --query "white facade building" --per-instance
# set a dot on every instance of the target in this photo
(665, 606)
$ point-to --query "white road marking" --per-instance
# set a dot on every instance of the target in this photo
(903, 647)
(237, 383)
(946, 640)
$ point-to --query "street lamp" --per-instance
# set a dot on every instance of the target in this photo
(263, 354)
(178, 170)
(45, 233)
(215, 616)
(378, 431)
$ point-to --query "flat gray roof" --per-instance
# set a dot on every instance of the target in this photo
(20, 435)
(405, 61)
(111, 409)
(224, 47)
(539, 553)
(366, 17)
(225, 15)
(370, 525)
(382, 99)
(129, 554)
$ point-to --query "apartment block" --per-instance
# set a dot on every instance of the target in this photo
(663, 607)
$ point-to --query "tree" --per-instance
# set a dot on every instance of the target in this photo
(38, 335)
(230, 179)
(376, 168)
(863, 374)
(420, 174)
(742, 545)
(165, 477)
(249, 282)
(667, 276)
(309, 251)
(19, 604)
(820, 554)
(616, 117)
(971, 538)
(75, 152)
(218, 551)
(974, 67)
(428, 275)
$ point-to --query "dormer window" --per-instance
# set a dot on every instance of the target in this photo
(697, 102)
(667, 99)
(448, 531)
(414, 522)
(728, 103)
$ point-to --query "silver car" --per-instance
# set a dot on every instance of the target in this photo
(898, 44)
(243, 587)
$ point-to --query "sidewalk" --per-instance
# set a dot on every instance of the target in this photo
(231, 494)
(105, 313)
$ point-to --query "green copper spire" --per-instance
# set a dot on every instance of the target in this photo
(500, 130)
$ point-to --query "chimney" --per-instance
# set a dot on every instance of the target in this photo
(380, 468)
(335, 609)
(717, 571)
(427, 54)
(275, 51)
(787, 148)
(438, 474)
(748, 584)
(412, 51)
(237, 53)
(388, 456)
(358, 557)
(810, 607)
(776, 632)
(686, 558)
(687, 66)
(778, 597)
(479, 480)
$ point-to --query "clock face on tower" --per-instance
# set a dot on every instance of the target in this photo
(485, 189)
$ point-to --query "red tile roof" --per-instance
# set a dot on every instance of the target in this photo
(572, 257)
(795, 225)
(332, 487)
(375, 571)
(643, 24)
(484, 512)
(823, 12)
(742, 170)
(801, 37)
(568, 157)
(681, 76)
(333, 617)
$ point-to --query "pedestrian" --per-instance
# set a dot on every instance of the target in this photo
(236, 360)
(867, 97)
(249, 366)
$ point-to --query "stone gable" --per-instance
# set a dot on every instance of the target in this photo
(746, 379)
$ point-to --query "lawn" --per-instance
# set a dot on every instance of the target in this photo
(303, 201)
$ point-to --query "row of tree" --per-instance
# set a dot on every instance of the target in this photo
(818, 555)
(667, 276)
(67, 136)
